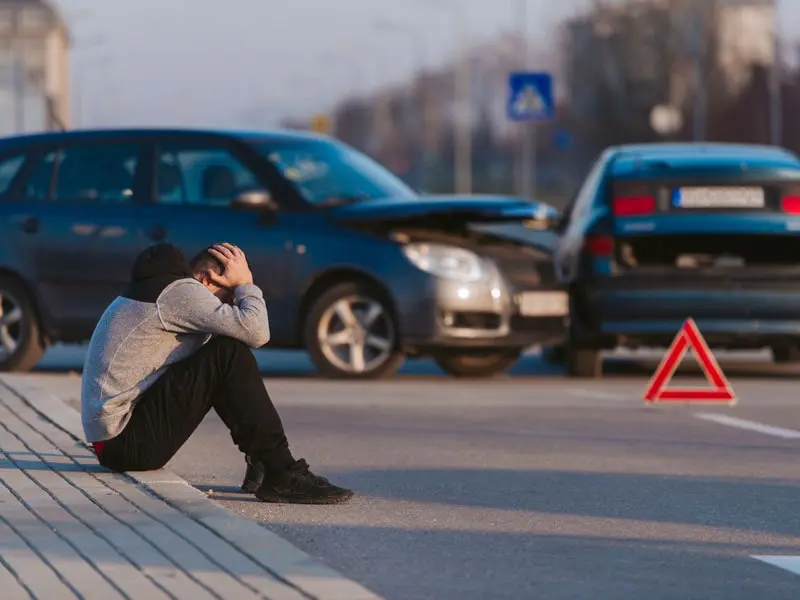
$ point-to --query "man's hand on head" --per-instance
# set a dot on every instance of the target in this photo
(235, 271)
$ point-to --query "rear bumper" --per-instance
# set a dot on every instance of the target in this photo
(728, 314)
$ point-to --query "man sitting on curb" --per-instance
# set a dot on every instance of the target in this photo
(175, 345)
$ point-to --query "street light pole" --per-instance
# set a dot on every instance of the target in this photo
(463, 95)
(463, 86)
(699, 24)
(527, 167)
(19, 75)
(775, 91)
(422, 108)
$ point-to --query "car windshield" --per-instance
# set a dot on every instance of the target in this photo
(330, 173)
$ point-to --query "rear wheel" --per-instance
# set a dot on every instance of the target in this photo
(21, 344)
(786, 354)
(350, 333)
(477, 364)
(584, 362)
(555, 355)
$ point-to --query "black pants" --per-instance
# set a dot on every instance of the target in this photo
(222, 375)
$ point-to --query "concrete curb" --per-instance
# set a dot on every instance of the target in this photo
(278, 556)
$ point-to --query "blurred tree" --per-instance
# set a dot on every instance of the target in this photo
(352, 122)
(745, 118)
(624, 60)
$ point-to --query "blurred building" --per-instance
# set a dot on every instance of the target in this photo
(638, 53)
(410, 127)
(34, 67)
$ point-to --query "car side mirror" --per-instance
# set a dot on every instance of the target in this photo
(255, 200)
(545, 217)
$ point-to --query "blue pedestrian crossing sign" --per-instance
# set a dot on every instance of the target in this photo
(530, 97)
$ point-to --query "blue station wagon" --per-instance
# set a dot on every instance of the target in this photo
(358, 269)
(659, 233)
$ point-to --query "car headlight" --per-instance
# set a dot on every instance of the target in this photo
(447, 262)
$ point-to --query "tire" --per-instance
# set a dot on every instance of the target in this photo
(337, 362)
(478, 365)
(24, 328)
(786, 354)
(585, 363)
(555, 355)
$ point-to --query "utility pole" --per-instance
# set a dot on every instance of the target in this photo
(775, 88)
(19, 76)
(422, 107)
(527, 161)
(699, 24)
(463, 133)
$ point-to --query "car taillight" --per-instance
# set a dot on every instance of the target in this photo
(599, 245)
(632, 206)
(791, 205)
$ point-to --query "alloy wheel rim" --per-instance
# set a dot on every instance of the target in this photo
(356, 334)
(11, 325)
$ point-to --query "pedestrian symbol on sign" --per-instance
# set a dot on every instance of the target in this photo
(530, 97)
(529, 101)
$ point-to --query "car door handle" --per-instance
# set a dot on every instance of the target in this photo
(29, 225)
(157, 233)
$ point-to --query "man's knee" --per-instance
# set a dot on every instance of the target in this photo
(232, 349)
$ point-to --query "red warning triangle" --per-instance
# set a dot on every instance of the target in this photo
(689, 337)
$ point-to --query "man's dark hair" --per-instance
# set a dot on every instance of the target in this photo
(205, 261)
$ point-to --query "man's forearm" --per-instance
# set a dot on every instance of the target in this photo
(249, 299)
(189, 307)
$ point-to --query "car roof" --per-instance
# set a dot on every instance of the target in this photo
(90, 134)
(632, 158)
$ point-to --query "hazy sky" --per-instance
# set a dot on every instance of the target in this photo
(209, 62)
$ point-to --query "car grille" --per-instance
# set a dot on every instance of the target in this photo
(522, 324)
(525, 273)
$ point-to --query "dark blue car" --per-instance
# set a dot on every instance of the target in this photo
(659, 233)
(357, 268)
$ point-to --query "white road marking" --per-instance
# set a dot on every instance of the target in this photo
(787, 434)
(788, 563)
(586, 393)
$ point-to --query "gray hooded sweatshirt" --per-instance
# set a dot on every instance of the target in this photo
(162, 319)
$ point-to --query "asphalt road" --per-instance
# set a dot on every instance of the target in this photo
(530, 486)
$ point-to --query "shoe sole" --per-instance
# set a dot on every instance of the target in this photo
(282, 499)
(250, 487)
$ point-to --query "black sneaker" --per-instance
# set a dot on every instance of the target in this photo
(253, 476)
(298, 485)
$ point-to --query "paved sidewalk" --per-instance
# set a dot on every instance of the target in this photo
(71, 529)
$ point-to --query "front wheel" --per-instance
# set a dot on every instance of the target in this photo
(21, 344)
(351, 333)
(584, 362)
(555, 355)
(477, 364)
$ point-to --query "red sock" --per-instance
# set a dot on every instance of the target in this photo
(98, 448)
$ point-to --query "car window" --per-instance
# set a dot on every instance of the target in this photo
(9, 168)
(92, 172)
(204, 176)
(324, 171)
(585, 196)
(39, 185)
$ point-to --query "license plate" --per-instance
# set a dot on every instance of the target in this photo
(543, 304)
(719, 197)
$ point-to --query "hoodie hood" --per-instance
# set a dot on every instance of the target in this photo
(154, 269)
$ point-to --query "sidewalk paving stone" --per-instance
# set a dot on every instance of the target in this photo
(72, 529)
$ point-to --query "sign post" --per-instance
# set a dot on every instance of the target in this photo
(530, 100)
